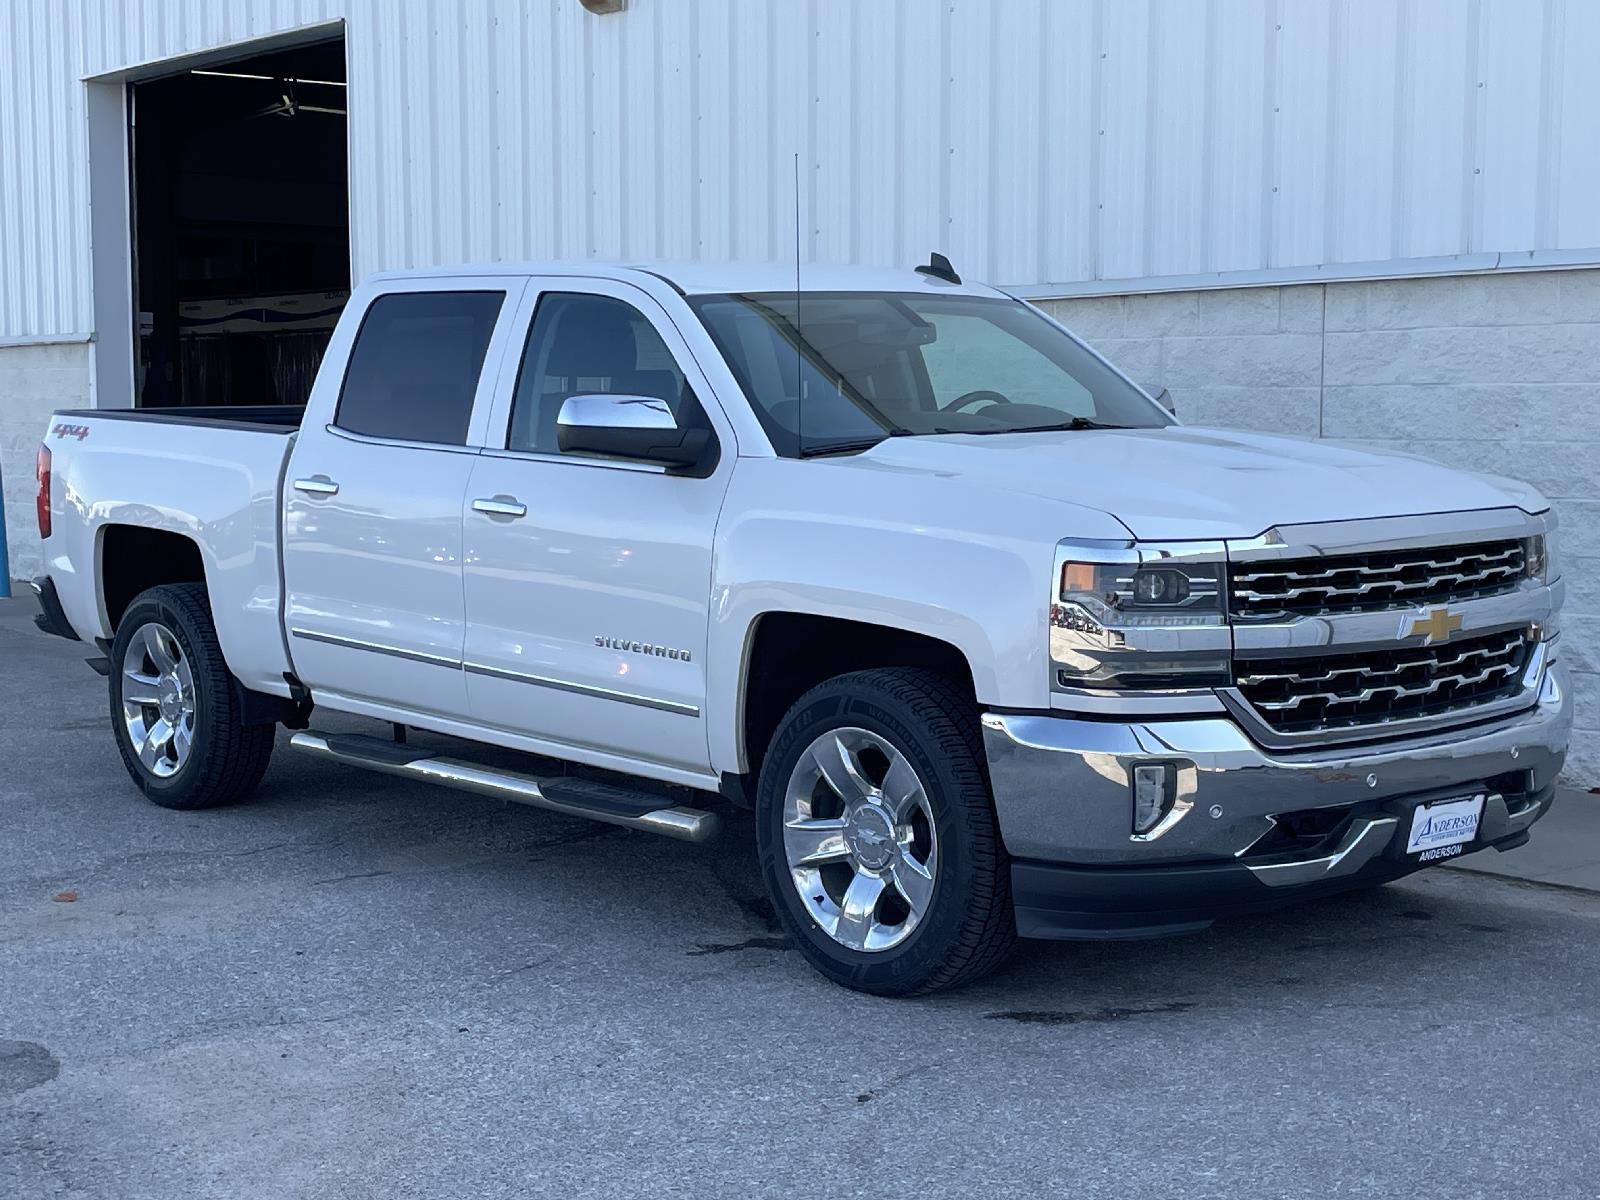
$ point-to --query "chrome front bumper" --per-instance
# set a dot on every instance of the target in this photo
(1061, 785)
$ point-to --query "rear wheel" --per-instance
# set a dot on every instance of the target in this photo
(877, 835)
(174, 708)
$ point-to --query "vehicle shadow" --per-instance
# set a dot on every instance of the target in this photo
(1367, 948)
(1411, 941)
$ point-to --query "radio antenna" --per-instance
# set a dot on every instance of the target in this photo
(799, 337)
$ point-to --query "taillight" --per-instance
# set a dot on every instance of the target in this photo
(41, 471)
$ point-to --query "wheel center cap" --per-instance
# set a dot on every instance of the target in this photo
(869, 833)
(170, 704)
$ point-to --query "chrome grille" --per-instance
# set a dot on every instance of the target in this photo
(1337, 691)
(1264, 591)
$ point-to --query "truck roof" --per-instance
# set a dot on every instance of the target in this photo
(703, 278)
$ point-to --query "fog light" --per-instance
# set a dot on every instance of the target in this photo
(1153, 788)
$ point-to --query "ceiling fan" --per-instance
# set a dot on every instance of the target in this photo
(288, 103)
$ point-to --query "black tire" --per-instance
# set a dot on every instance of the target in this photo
(226, 759)
(969, 926)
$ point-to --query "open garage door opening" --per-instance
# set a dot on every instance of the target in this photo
(241, 228)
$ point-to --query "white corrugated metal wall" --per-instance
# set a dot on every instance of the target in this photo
(1043, 143)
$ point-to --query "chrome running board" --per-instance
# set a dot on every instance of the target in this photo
(574, 797)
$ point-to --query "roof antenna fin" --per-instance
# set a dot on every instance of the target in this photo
(939, 267)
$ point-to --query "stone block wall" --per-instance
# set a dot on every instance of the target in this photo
(34, 382)
(1493, 372)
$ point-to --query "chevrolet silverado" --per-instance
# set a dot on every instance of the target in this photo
(989, 642)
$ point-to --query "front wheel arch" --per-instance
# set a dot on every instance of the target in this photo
(788, 653)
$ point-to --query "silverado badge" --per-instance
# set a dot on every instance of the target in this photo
(1435, 626)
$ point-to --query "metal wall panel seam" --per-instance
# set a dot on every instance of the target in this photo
(1547, 207)
(1404, 99)
(1473, 128)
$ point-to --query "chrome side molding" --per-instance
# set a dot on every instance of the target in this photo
(613, 806)
(583, 689)
(473, 668)
(351, 643)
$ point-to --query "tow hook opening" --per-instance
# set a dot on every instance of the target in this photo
(1303, 834)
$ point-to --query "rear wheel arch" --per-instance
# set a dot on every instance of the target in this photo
(132, 559)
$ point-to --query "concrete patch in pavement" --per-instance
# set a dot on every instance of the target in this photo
(25, 1065)
(1563, 848)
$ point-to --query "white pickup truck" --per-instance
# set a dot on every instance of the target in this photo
(990, 643)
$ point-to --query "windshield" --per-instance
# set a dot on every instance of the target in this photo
(876, 365)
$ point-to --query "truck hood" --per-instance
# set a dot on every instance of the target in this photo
(1185, 482)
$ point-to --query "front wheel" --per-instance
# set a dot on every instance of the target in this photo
(877, 836)
(173, 705)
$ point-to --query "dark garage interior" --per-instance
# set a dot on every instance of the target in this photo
(241, 228)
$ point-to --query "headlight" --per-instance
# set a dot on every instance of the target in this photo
(1139, 615)
(1544, 566)
(1156, 592)
(1544, 555)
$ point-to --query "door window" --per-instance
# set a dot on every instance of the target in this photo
(582, 345)
(415, 364)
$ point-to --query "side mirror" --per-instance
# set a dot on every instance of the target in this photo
(636, 427)
(1164, 398)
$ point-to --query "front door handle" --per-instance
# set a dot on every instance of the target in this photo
(317, 485)
(501, 506)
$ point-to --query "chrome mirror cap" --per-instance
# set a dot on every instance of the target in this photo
(603, 411)
(637, 428)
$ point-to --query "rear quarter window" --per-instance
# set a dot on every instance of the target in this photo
(414, 368)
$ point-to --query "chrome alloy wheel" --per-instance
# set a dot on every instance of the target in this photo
(158, 700)
(859, 837)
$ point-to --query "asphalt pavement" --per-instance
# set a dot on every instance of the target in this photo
(354, 987)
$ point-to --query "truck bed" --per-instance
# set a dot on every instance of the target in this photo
(273, 418)
(210, 476)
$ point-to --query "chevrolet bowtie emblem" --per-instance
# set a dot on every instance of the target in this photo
(1436, 626)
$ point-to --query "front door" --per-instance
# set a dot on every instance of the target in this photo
(372, 500)
(588, 580)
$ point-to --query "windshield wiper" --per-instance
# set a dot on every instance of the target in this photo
(1075, 423)
(852, 445)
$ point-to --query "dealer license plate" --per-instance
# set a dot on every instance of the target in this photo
(1441, 829)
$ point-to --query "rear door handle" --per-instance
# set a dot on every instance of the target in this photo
(317, 485)
(501, 506)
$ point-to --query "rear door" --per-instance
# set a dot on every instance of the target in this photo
(373, 499)
(587, 579)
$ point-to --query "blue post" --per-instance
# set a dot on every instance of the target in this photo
(5, 563)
